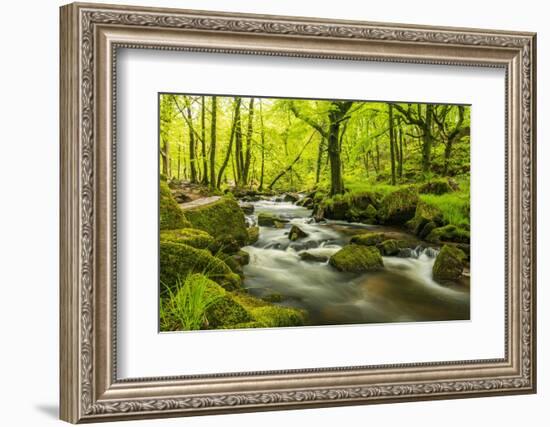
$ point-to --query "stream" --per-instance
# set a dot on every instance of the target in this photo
(402, 292)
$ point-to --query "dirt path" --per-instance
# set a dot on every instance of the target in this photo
(199, 202)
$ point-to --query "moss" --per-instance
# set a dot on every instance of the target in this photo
(276, 297)
(399, 207)
(190, 236)
(368, 239)
(179, 260)
(308, 256)
(389, 247)
(253, 235)
(225, 311)
(269, 220)
(242, 257)
(448, 264)
(449, 233)
(222, 219)
(357, 258)
(424, 214)
(437, 186)
(171, 215)
(296, 233)
(427, 229)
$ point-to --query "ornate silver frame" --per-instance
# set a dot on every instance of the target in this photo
(90, 35)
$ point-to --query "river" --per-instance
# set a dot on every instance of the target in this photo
(403, 291)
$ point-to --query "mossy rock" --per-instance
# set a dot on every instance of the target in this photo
(231, 262)
(224, 220)
(267, 315)
(389, 247)
(242, 257)
(269, 220)
(225, 311)
(424, 214)
(296, 233)
(399, 207)
(253, 235)
(177, 260)
(357, 259)
(247, 208)
(368, 239)
(275, 297)
(449, 233)
(190, 236)
(448, 264)
(171, 215)
(437, 186)
(308, 256)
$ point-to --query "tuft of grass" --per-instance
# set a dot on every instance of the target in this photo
(185, 307)
(455, 207)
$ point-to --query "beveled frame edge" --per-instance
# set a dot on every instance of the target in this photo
(88, 390)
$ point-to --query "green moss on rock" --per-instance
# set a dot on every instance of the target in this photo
(171, 215)
(437, 186)
(267, 315)
(399, 206)
(222, 219)
(253, 235)
(424, 214)
(368, 239)
(449, 233)
(177, 260)
(357, 259)
(225, 311)
(266, 219)
(296, 233)
(389, 247)
(448, 264)
(190, 236)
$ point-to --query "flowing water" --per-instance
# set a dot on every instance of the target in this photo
(402, 292)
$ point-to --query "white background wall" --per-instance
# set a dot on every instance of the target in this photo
(29, 170)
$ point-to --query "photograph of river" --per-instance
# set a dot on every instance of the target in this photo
(278, 212)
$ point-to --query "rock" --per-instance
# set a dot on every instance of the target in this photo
(242, 257)
(368, 239)
(389, 247)
(269, 220)
(448, 264)
(291, 197)
(336, 209)
(225, 311)
(306, 202)
(427, 229)
(267, 315)
(247, 208)
(357, 259)
(448, 233)
(190, 236)
(398, 207)
(279, 224)
(177, 260)
(171, 215)
(296, 233)
(180, 196)
(253, 235)
(250, 198)
(275, 297)
(424, 214)
(308, 256)
(223, 220)
(437, 186)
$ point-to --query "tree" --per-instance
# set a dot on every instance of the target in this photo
(392, 143)
(213, 141)
(203, 142)
(246, 165)
(237, 107)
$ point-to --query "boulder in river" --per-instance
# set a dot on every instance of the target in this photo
(247, 208)
(296, 233)
(425, 214)
(308, 256)
(368, 239)
(269, 220)
(253, 235)
(222, 218)
(448, 264)
(399, 206)
(357, 259)
(291, 197)
(389, 247)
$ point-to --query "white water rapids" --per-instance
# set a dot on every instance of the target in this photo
(403, 291)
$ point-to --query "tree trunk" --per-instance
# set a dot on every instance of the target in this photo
(246, 166)
(179, 161)
(400, 168)
(427, 140)
(262, 134)
(320, 151)
(164, 156)
(203, 142)
(230, 144)
(336, 184)
(392, 143)
(192, 158)
(213, 142)
(238, 146)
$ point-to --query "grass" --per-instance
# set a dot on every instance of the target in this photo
(185, 307)
(455, 207)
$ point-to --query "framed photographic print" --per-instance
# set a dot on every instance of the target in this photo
(263, 212)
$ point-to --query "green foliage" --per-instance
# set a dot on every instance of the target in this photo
(357, 259)
(449, 233)
(399, 207)
(171, 215)
(455, 207)
(185, 306)
(190, 236)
